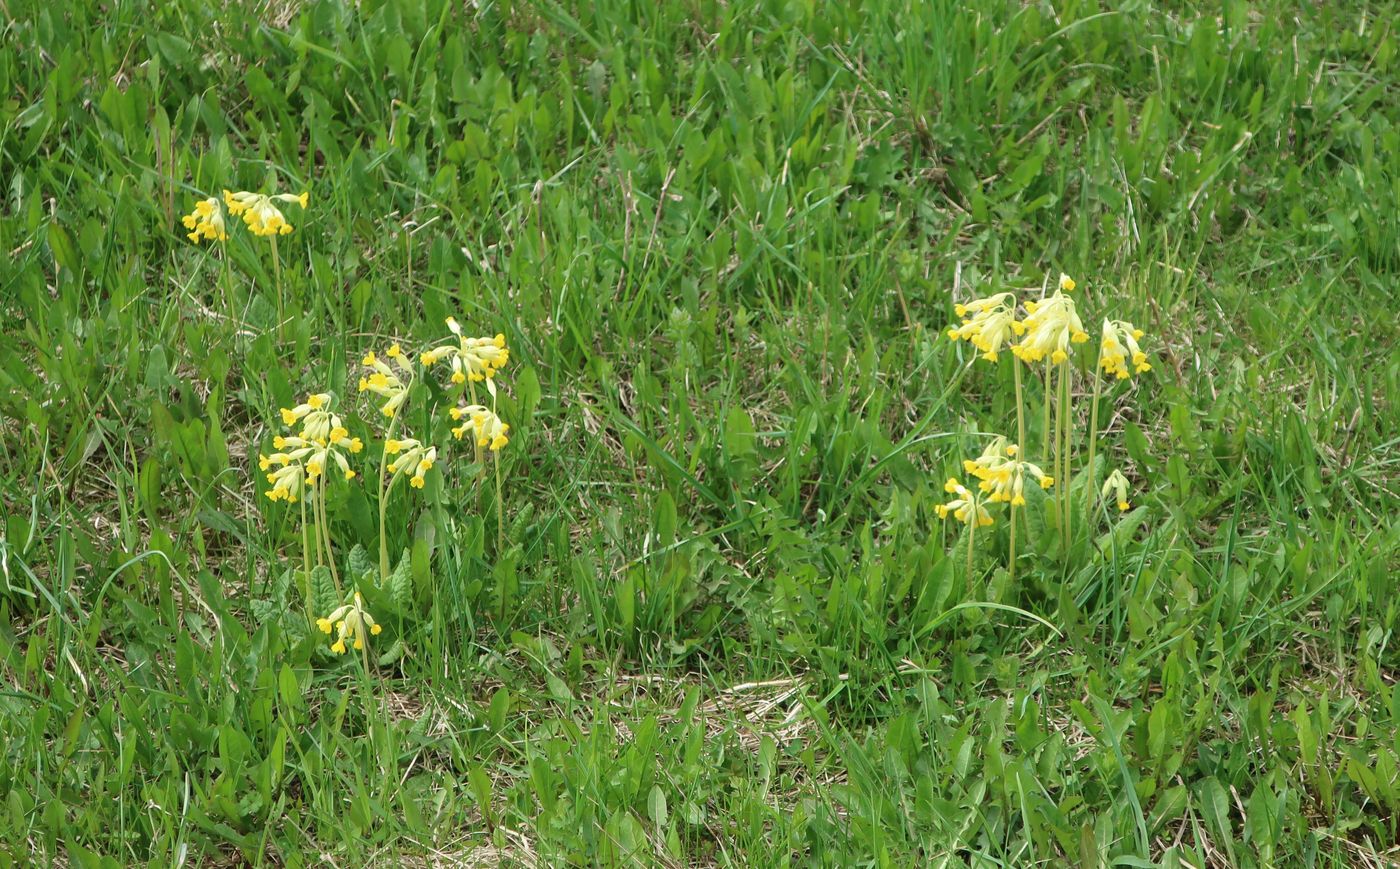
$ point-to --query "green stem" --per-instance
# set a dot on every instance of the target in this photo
(1049, 395)
(383, 497)
(1093, 444)
(326, 533)
(277, 280)
(306, 563)
(1020, 456)
(500, 511)
(1066, 425)
(971, 536)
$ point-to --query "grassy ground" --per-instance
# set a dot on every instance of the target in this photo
(721, 623)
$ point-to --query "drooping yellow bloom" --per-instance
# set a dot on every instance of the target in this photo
(206, 221)
(1067, 283)
(992, 322)
(967, 507)
(385, 382)
(351, 621)
(1051, 326)
(1120, 338)
(1117, 486)
(414, 460)
(474, 359)
(257, 210)
(320, 442)
(1002, 475)
(313, 402)
(286, 479)
(486, 426)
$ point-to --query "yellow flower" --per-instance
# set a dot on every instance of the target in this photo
(967, 507)
(1117, 486)
(320, 441)
(206, 221)
(314, 402)
(1067, 283)
(992, 322)
(1052, 325)
(414, 460)
(384, 381)
(474, 359)
(487, 428)
(352, 622)
(286, 480)
(1120, 338)
(1002, 476)
(257, 210)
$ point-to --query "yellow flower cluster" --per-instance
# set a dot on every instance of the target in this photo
(992, 322)
(302, 458)
(351, 621)
(206, 221)
(474, 359)
(487, 427)
(967, 507)
(1002, 474)
(385, 382)
(414, 459)
(258, 211)
(1120, 338)
(1051, 326)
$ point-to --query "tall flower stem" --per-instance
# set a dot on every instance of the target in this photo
(971, 536)
(1093, 442)
(1049, 395)
(277, 281)
(1066, 425)
(326, 531)
(306, 562)
(500, 510)
(1020, 447)
(383, 497)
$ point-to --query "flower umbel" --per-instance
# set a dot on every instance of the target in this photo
(414, 460)
(1052, 325)
(967, 507)
(351, 621)
(992, 322)
(206, 221)
(385, 381)
(474, 359)
(259, 212)
(1117, 486)
(486, 427)
(319, 443)
(1002, 474)
(1120, 339)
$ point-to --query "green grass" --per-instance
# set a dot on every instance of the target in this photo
(723, 240)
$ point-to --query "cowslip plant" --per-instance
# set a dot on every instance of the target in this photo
(392, 384)
(967, 507)
(297, 473)
(473, 361)
(1049, 332)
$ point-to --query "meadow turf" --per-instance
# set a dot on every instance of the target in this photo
(723, 241)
